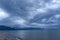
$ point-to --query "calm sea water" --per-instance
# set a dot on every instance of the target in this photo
(35, 34)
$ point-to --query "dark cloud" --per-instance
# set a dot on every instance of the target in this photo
(15, 7)
(22, 9)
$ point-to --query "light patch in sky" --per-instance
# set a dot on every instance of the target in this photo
(41, 10)
(52, 6)
(39, 25)
(19, 21)
(3, 14)
(43, 20)
(57, 16)
(55, 1)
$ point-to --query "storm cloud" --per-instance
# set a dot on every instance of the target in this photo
(26, 13)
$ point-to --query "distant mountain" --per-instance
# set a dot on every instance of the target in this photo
(2, 27)
(30, 28)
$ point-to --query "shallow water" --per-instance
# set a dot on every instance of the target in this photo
(35, 34)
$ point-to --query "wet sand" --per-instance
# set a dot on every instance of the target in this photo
(4, 36)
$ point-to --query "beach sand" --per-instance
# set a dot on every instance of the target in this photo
(4, 36)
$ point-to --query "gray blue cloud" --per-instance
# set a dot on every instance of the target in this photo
(29, 13)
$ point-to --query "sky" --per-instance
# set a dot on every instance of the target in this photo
(30, 13)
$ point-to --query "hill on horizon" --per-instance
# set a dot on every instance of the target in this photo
(3, 27)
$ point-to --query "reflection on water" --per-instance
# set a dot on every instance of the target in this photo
(35, 34)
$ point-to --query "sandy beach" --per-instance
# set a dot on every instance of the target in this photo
(4, 36)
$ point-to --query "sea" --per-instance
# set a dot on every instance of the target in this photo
(53, 34)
